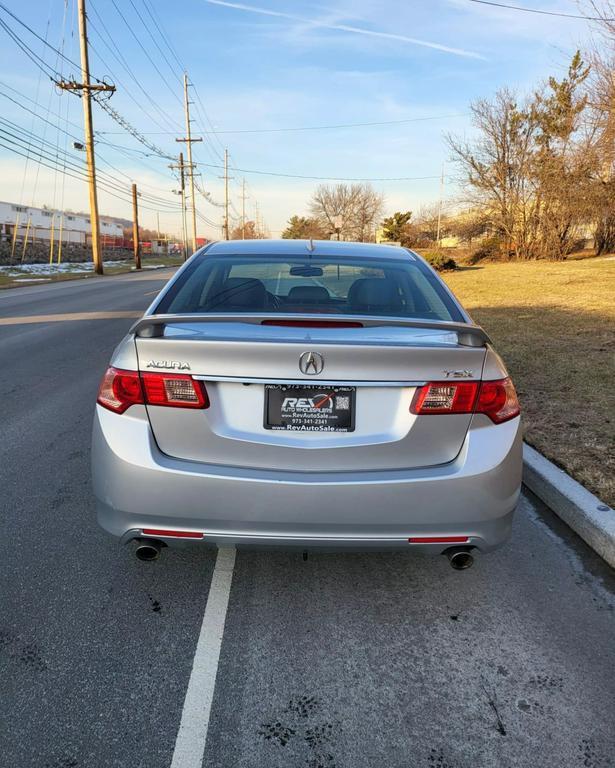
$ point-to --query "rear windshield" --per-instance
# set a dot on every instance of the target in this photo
(324, 285)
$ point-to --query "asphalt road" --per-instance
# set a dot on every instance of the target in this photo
(349, 661)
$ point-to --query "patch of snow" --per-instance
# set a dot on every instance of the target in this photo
(79, 267)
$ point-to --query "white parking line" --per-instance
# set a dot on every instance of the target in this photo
(192, 734)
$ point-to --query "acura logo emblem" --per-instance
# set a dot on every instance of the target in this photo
(311, 363)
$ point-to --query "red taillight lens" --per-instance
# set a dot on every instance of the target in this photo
(175, 389)
(119, 390)
(496, 399)
(445, 397)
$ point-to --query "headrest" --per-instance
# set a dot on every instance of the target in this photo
(308, 294)
(244, 292)
(374, 293)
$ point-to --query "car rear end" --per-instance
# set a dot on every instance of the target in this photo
(313, 396)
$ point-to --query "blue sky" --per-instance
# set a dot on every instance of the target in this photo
(273, 64)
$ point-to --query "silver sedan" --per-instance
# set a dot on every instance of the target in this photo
(307, 394)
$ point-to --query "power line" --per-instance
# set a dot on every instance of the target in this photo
(524, 9)
(147, 29)
(42, 40)
(78, 136)
(32, 112)
(323, 178)
(126, 90)
(117, 54)
(328, 127)
(34, 57)
(48, 152)
(115, 115)
(163, 35)
(145, 51)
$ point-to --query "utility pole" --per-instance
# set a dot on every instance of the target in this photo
(87, 88)
(226, 233)
(440, 206)
(188, 140)
(135, 228)
(182, 191)
(243, 209)
(256, 221)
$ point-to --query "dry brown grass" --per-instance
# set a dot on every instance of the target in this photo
(554, 324)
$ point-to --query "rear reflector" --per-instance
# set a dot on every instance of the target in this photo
(173, 534)
(314, 323)
(438, 539)
(496, 399)
(120, 389)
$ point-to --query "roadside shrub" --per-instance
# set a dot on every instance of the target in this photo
(439, 261)
(489, 249)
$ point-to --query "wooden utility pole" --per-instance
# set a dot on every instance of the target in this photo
(60, 237)
(25, 241)
(14, 237)
(188, 140)
(182, 191)
(135, 228)
(51, 239)
(226, 221)
(87, 88)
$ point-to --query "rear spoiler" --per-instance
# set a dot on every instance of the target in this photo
(152, 326)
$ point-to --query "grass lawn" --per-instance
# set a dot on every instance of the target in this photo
(554, 325)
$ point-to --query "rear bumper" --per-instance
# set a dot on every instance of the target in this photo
(137, 487)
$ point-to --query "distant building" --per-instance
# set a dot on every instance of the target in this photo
(382, 238)
(73, 228)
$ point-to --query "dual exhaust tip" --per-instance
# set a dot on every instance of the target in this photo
(148, 550)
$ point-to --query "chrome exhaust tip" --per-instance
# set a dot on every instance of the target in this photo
(148, 549)
(460, 558)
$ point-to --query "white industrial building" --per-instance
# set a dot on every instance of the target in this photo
(40, 223)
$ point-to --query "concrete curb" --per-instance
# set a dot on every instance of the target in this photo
(593, 520)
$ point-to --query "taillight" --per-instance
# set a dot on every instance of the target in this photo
(445, 397)
(496, 399)
(120, 389)
(175, 389)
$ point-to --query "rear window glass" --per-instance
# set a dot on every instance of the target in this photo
(323, 285)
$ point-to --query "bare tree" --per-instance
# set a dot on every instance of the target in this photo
(350, 210)
(495, 169)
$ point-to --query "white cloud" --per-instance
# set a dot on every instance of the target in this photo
(348, 28)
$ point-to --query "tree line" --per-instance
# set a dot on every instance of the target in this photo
(535, 180)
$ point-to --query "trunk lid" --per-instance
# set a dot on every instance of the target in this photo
(236, 360)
